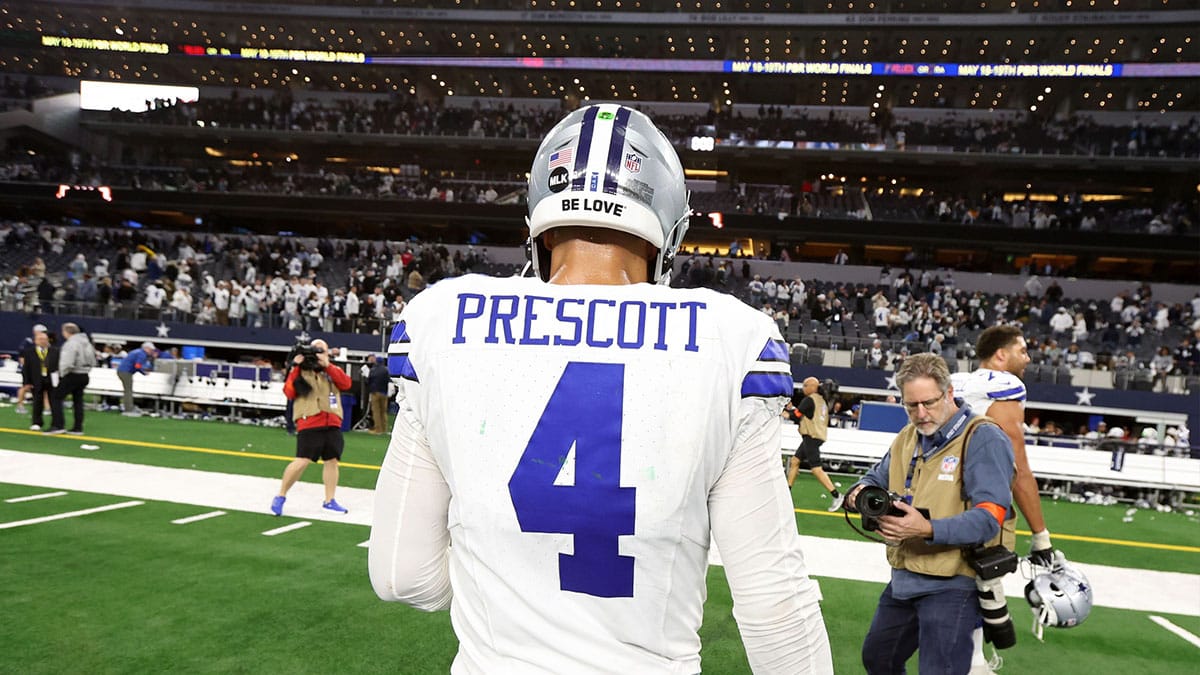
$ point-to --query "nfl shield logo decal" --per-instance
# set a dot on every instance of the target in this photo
(949, 464)
(633, 163)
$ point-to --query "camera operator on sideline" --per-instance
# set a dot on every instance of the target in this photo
(957, 467)
(315, 387)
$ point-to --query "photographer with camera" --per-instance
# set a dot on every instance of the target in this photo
(315, 387)
(940, 493)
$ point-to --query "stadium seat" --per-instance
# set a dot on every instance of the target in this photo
(1122, 377)
(1062, 375)
(858, 359)
(815, 356)
(1143, 380)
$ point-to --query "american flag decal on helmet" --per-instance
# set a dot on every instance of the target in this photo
(561, 158)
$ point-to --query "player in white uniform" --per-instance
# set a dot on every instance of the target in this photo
(996, 390)
(564, 450)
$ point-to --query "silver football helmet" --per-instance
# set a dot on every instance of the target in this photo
(1061, 597)
(608, 166)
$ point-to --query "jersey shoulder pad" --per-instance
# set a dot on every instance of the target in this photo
(999, 385)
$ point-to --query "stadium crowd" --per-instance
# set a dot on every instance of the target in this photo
(345, 285)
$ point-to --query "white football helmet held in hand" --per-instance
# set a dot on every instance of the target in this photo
(1060, 598)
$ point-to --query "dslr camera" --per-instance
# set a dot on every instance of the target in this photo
(991, 563)
(873, 502)
(309, 353)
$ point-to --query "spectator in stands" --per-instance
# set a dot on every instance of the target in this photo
(137, 362)
(1033, 286)
(76, 359)
(1061, 323)
(877, 356)
(1187, 357)
(155, 295)
(314, 385)
(237, 305)
(220, 302)
(1161, 365)
(181, 303)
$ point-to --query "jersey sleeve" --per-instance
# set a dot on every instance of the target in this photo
(409, 551)
(410, 542)
(775, 603)
(769, 373)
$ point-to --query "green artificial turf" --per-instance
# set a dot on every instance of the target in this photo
(126, 591)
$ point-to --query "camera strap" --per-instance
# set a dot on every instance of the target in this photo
(885, 542)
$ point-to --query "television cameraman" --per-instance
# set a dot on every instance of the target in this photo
(315, 386)
(957, 467)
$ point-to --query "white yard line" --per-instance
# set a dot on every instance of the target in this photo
(69, 514)
(1119, 587)
(30, 498)
(287, 528)
(197, 518)
(1181, 632)
(365, 544)
(228, 492)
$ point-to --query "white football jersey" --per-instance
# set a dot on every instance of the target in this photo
(581, 437)
(985, 386)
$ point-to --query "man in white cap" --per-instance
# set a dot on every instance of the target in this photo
(26, 382)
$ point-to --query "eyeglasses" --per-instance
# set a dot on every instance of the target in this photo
(929, 405)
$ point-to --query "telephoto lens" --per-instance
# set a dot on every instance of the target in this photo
(997, 624)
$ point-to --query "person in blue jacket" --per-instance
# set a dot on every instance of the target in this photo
(140, 360)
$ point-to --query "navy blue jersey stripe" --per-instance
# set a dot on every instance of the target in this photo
(775, 350)
(583, 148)
(766, 384)
(400, 366)
(1008, 393)
(400, 332)
(616, 148)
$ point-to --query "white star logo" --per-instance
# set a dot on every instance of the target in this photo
(1084, 397)
(163, 329)
(891, 382)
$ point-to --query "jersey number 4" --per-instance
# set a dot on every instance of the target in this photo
(585, 412)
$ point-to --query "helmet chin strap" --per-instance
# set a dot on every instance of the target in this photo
(1040, 617)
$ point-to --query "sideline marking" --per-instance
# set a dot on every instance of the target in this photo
(365, 544)
(374, 467)
(69, 514)
(30, 498)
(1070, 537)
(1181, 632)
(197, 518)
(186, 448)
(287, 528)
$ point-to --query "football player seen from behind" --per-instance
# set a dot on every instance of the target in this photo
(567, 530)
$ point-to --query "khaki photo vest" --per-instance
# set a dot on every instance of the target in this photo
(943, 499)
(818, 426)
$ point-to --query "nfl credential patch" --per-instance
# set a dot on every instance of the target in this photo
(949, 464)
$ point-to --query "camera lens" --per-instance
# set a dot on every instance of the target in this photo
(873, 501)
